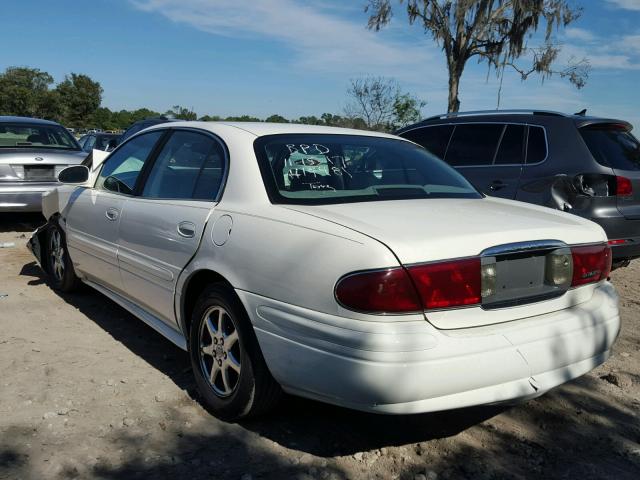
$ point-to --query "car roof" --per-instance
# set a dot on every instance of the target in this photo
(29, 120)
(260, 129)
(531, 115)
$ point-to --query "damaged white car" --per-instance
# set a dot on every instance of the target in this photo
(345, 266)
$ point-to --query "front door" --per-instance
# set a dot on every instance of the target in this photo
(161, 229)
(93, 215)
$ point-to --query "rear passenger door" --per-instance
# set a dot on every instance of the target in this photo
(161, 227)
(489, 155)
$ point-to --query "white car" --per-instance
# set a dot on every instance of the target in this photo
(346, 266)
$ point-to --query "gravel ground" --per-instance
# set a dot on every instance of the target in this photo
(88, 391)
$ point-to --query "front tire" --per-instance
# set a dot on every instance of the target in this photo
(59, 265)
(227, 363)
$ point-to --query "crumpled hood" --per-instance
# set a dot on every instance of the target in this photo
(435, 229)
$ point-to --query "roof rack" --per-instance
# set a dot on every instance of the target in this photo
(496, 112)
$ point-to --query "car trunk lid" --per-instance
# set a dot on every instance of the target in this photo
(37, 165)
(428, 230)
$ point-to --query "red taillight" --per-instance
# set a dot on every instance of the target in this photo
(448, 284)
(591, 263)
(383, 291)
(624, 188)
(618, 241)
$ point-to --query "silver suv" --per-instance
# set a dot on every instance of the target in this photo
(32, 153)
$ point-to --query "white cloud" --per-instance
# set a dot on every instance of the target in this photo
(579, 34)
(320, 41)
(631, 42)
(626, 4)
(614, 54)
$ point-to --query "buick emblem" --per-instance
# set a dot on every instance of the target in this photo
(38, 159)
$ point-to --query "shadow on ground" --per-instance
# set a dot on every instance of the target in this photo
(576, 431)
(20, 222)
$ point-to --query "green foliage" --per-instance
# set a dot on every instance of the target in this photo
(79, 98)
(25, 92)
(181, 113)
(276, 119)
(75, 102)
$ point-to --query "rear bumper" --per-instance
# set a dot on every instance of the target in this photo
(24, 197)
(404, 365)
(622, 228)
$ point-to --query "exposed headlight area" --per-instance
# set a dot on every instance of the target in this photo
(504, 276)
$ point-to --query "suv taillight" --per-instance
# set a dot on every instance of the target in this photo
(591, 263)
(624, 188)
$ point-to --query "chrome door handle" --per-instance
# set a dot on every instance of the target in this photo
(112, 214)
(187, 229)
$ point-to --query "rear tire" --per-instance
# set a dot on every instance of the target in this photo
(58, 263)
(227, 363)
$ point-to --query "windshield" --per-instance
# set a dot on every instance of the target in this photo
(24, 135)
(320, 169)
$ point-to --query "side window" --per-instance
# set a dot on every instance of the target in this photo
(537, 145)
(89, 143)
(121, 170)
(190, 166)
(474, 144)
(511, 147)
(434, 139)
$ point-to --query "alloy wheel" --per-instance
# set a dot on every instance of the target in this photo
(220, 351)
(56, 251)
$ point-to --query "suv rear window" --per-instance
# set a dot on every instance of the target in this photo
(612, 146)
(327, 168)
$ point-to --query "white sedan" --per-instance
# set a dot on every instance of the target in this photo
(345, 266)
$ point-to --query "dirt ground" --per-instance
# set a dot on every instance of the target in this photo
(88, 391)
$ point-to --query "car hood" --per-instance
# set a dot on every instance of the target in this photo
(47, 157)
(435, 229)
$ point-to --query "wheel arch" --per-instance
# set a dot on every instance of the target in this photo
(193, 287)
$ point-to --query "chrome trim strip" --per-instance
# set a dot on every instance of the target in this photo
(522, 247)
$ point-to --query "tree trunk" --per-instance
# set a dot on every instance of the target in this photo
(455, 72)
(454, 102)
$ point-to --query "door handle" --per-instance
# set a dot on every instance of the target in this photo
(112, 214)
(187, 229)
(497, 185)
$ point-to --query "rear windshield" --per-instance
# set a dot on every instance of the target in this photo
(612, 146)
(24, 135)
(321, 169)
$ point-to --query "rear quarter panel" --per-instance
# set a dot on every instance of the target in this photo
(286, 256)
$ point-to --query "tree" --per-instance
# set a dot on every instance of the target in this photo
(182, 113)
(210, 118)
(80, 97)
(381, 104)
(25, 92)
(493, 31)
(276, 119)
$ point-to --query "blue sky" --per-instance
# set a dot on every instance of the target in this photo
(296, 57)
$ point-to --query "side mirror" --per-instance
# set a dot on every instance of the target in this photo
(74, 175)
